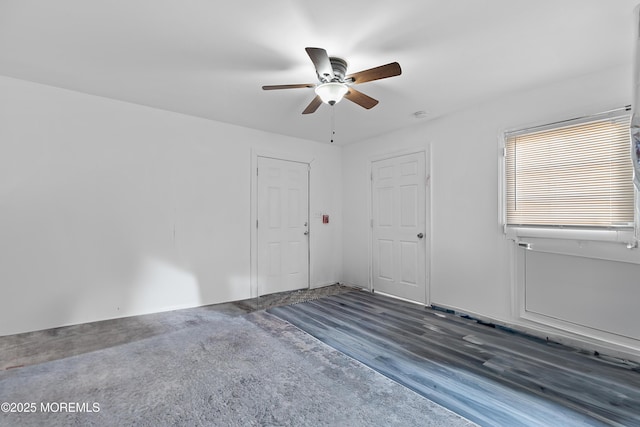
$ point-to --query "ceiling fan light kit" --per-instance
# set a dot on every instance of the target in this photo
(334, 83)
(331, 93)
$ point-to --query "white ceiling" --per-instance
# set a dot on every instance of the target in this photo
(210, 58)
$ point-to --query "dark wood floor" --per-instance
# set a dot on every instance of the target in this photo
(492, 376)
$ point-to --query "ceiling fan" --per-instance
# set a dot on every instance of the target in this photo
(334, 84)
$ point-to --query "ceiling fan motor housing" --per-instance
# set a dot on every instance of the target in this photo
(339, 67)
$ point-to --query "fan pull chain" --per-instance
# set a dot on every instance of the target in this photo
(333, 122)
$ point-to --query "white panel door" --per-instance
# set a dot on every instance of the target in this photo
(283, 217)
(399, 226)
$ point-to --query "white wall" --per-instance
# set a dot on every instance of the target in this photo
(472, 263)
(109, 209)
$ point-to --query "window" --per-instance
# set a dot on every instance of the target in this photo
(575, 174)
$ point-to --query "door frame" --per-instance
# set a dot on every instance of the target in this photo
(253, 233)
(426, 151)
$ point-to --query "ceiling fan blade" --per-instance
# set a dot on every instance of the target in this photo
(296, 86)
(313, 105)
(377, 73)
(361, 99)
(322, 63)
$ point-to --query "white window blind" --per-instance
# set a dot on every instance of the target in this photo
(573, 175)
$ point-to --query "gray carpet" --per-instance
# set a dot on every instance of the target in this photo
(214, 368)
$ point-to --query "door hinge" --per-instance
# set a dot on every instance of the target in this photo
(256, 223)
(256, 171)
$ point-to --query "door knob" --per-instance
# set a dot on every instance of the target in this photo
(306, 233)
(420, 235)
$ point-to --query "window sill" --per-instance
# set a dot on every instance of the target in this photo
(610, 245)
(621, 236)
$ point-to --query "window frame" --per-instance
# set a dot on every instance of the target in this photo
(515, 232)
